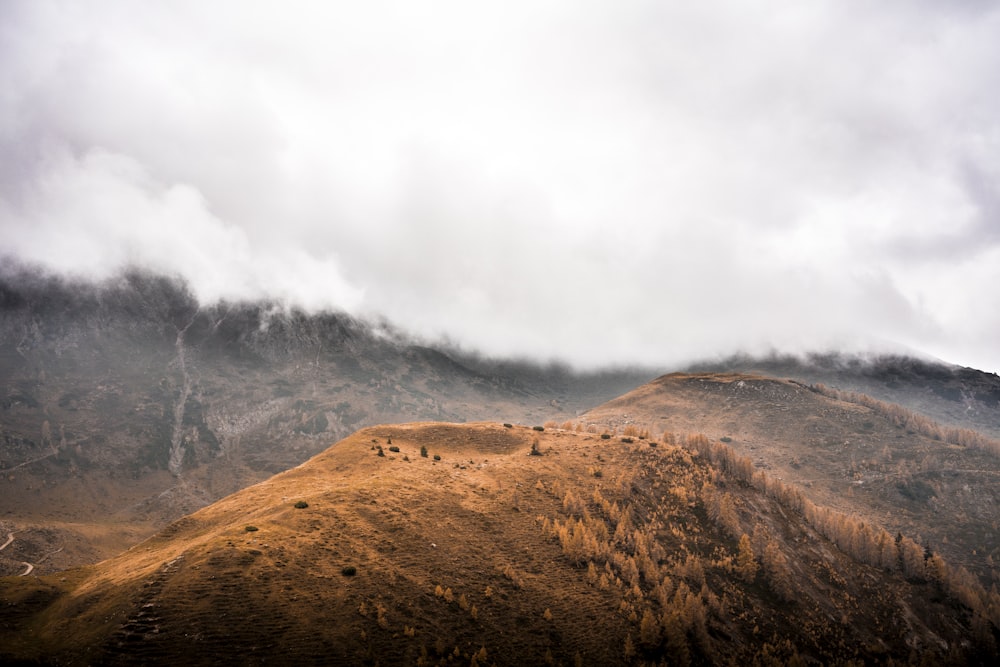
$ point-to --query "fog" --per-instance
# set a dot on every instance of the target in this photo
(599, 183)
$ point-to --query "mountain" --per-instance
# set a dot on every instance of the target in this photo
(127, 404)
(877, 461)
(952, 395)
(483, 543)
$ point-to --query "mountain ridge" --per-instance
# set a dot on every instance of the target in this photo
(594, 550)
(948, 393)
(852, 457)
(127, 403)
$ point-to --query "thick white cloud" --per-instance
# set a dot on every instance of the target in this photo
(94, 215)
(601, 182)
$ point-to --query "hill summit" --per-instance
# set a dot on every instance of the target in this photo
(433, 543)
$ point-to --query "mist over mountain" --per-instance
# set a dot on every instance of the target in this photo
(140, 425)
(336, 332)
(646, 184)
(132, 395)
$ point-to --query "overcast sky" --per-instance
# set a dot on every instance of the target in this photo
(598, 182)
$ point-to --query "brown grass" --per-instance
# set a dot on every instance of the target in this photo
(541, 559)
(873, 461)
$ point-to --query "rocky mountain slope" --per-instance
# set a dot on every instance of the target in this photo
(952, 395)
(484, 544)
(127, 404)
(889, 466)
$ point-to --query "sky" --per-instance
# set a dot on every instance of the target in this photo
(593, 182)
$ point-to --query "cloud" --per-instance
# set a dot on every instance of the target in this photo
(99, 214)
(639, 182)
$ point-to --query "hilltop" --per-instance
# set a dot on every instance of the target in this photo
(434, 543)
(952, 395)
(127, 404)
(865, 458)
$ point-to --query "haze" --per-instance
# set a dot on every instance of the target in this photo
(594, 182)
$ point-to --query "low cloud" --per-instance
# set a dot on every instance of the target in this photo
(93, 216)
(637, 183)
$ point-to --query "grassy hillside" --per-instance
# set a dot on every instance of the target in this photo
(871, 460)
(500, 546)
(129, 404)
(952, 395)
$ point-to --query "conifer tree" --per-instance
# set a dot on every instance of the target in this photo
(778, 573)
(677, 644)
(649, 630)
(746, 564)
(629, 648)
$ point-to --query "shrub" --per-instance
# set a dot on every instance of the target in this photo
(627, 441)
(437, 457)
(301, 505)
(394, 448)
(508, 426)
(423, 451)
(538, 428)
(652, 444)
(251, 529)
(725, 438)
(512, 575)
(605, 436)
(348, 570)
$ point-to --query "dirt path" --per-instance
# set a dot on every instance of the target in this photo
(28, 566)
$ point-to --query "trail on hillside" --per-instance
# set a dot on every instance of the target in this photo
(28, 566)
